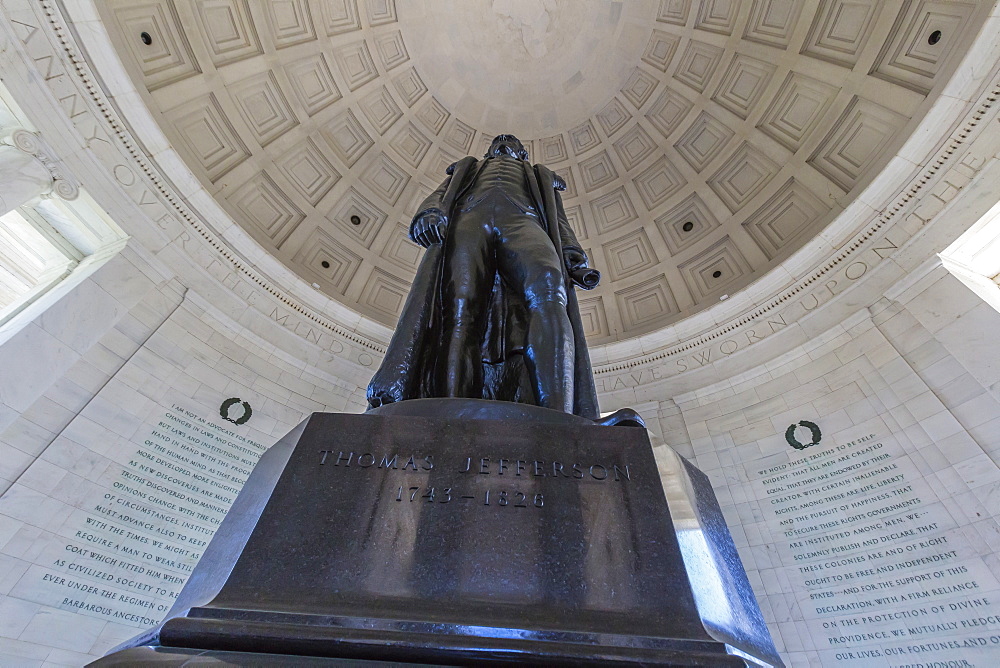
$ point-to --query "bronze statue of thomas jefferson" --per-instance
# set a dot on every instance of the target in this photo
(492, 313)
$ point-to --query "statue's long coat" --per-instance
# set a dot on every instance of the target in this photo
(409, 370)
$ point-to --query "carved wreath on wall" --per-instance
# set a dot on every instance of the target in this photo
(813, 429)
(229, 403)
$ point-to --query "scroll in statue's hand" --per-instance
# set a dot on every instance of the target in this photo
(582, 275)
(429, 228)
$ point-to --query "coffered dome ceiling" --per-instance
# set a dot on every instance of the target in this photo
(703, 141)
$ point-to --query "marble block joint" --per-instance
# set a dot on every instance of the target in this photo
(455, 530)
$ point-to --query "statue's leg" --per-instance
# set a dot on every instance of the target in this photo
(527, 259)
(466, 284)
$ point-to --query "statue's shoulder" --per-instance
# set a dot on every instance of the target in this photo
(451, 168)
(558, 182)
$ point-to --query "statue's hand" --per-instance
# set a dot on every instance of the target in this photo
(579, 273)
(574, 259)
(429, 229)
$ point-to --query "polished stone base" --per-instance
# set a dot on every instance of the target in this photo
(174, 657)
(461, 531)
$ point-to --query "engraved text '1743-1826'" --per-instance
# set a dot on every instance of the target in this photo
(470, 468)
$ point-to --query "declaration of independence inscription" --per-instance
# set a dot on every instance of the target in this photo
(877, 565)
(125, 553)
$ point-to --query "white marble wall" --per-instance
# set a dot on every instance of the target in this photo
(82, 387)
(917, 369)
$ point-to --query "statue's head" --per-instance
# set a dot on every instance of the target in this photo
(509, 145)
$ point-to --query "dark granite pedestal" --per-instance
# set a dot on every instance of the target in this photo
(464, 531)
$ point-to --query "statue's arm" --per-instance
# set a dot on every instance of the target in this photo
(430, 222)
(570, 245)
(574, 257)
(433, 202)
